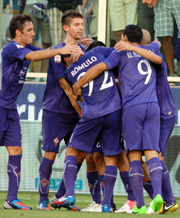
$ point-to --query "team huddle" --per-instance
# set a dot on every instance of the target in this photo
(139, 112)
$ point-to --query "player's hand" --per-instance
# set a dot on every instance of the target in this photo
(121, 46)
(71, 95)
(68, 49)
(85, 41)
(76, 89)
(76, 54)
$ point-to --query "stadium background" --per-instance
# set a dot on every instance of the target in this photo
(29, 107)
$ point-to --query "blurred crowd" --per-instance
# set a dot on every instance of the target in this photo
(160, 17)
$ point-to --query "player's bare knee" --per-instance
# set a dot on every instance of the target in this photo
(14, 150)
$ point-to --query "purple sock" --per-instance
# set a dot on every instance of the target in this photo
(70, 173)
(94, 186)
(14, 173)
(136, 176)
(149, 189)
(166, 185)
(45, 170)
(109, 181)
(126, 181)
(62, 190)
(101, 180)
(155, 172)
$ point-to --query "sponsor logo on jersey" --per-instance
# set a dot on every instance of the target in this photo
(44, 182)
(57, 59)
(56, 141)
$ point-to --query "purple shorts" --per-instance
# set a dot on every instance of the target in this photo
(166, 128)
(106, 130)
(10, 130)
(57, 126)
(141, 127)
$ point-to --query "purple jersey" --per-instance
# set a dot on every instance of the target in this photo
(55, 99)
(14, 69)
(165, 98)
(100, 96)
(137, 76)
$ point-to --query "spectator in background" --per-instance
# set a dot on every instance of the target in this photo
(146, 18)
(165, 13)
(18, 6)
(177, 48)
(38, 11)
(56, 8)
(88, 10)
(123, 11)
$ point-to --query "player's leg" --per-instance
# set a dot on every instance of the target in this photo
(94, 185)
(136, 175)
(110, 135)
(62, 189)
(169, 205)
(55, 127)
(147, 180)
(132, 136)
(123, 166)
(70, 173)
(110, 175)
(151, 148)
(12, 136)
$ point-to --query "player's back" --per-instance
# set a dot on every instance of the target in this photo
(137, 77)
(100, 96)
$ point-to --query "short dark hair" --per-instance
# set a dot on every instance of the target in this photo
(63, 58)
(134, 33)
(94, 44)
(69, 15)
(17, 22)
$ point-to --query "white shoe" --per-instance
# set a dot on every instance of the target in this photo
(128, 205)
(129, 211)
(93, 207)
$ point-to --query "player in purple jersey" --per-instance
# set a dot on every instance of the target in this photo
(167, 121)
(140, 116)
(59, 116)
(16, 56)
(100, 122)
(168, 116)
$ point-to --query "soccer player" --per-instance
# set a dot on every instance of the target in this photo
(16, 56)
(100, 122)
(168, 116)
(140, 115)
(59, 116)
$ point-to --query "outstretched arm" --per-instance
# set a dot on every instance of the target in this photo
(48, 53)
(149, 55)
(92, 73)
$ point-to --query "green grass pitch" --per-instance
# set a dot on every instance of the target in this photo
(31, 199)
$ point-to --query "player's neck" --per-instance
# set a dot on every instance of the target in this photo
(18, 40)
(70, 40)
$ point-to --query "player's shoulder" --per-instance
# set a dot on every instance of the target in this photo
(60, 45)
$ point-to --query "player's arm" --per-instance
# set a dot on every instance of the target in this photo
(73, 98)
(48, 53)
(92, 73)
(149, 55)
